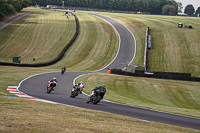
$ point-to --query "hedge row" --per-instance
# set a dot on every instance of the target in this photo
(56, 59)
(159, 75)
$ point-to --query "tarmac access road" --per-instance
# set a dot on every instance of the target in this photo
(35, 86)
(4, 25)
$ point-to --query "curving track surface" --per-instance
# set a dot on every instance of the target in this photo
(35, 86)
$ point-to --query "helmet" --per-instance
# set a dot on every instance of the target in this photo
(54, 78)
(81, 82)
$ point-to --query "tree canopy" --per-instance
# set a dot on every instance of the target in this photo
(167, 7)
(151, 6)
(11, 6)
(198, 11)
(189, 10)
(168, 10)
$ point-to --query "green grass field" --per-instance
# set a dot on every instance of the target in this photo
(36, 36)
(95, 47)
(179, 97)
(173, 49)
(22, 115)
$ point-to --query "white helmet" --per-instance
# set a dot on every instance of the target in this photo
(81, 82)
(54, 78)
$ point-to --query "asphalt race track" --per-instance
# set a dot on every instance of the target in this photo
(35, 86)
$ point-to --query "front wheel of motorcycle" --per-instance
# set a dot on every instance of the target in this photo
(74, 94)
(96, 100)
(49, 90)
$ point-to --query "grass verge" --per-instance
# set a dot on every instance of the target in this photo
(173, 49)
(95, 47)
(179, 97)
(21, 115)
(36, 36)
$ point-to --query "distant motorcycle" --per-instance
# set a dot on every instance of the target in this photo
(63, 70)
(51, 86)
(95, 97)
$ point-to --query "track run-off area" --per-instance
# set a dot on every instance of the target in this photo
(34, 87)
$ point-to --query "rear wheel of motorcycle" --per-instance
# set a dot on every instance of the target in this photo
(96, 100)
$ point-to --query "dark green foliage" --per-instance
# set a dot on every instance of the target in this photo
(8, 7)
(168, 10)
(151, 6)
(198, 11)
(189, 10)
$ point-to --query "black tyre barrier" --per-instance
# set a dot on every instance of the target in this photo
(56, 59)
(159, 75)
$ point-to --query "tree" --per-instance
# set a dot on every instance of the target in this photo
(180, 7)
(189, 10)
(175, 4)
(168, 10)
(154, 6)
(5, 9)
(8, 7)
(198, 11)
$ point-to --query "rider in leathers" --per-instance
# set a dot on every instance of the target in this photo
(101, 89)
(80, 86)
(52, 80)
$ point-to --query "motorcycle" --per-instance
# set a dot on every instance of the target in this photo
(74, 92)
(51, 86)
(95, 97)
(63, 71)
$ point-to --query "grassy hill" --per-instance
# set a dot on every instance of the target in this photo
(173, 49)
(98, 37)
(36, 36)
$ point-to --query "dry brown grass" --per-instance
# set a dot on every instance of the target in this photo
(22, 115)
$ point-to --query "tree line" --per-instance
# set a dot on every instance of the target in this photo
(8, 7)
(189, 10)
(151, 6)
(165, 7)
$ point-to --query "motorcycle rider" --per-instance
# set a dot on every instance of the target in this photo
(101, 89)
(80, 86)
(52, 80)
(64, 68)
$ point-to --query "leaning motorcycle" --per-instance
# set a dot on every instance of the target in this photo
(95, 97)
(51, 86)
(62, 71)
(74, 92)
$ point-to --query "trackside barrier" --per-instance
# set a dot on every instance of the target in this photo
(159, 75)
(146, 51)
(56, 59)
(108, 70)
